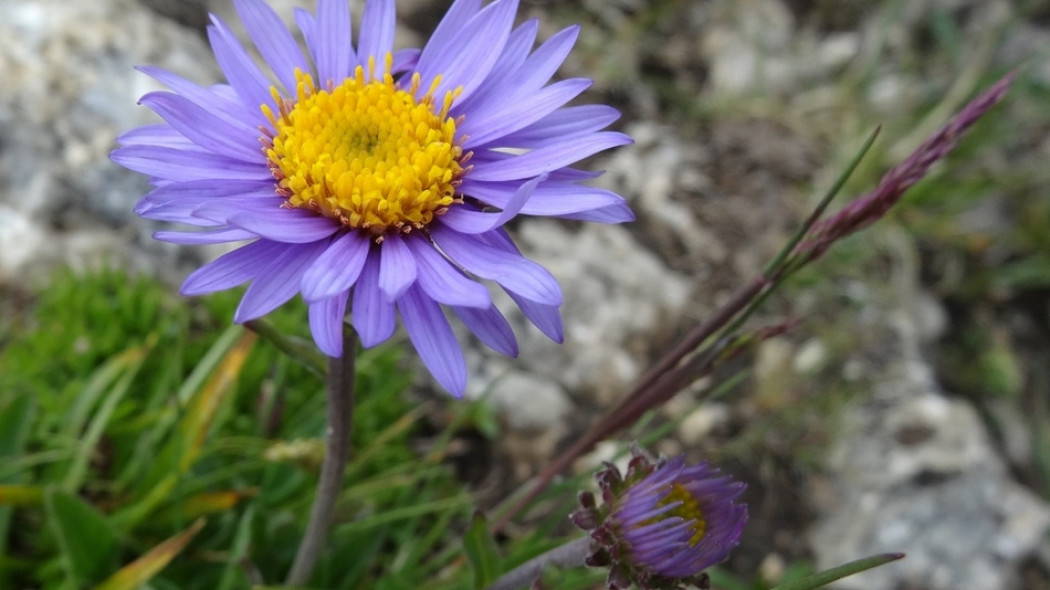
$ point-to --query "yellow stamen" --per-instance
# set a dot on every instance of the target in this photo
(366, 153)
(689, 509)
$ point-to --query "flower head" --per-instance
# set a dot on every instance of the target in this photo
(664, 523)
(375, 178)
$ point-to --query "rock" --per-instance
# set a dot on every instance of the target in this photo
(68, 89)
(613, 289)
(529, 401)
(916, 473)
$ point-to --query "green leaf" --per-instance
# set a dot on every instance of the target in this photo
(482, 552)
(233, 572)
(20, 495)
(88, 543)
(129, 362)
(183, 450)
(837, 573)
(142, 569)
(16, 416)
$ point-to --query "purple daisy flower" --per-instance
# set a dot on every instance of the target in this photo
(664, 524)
(374, 178)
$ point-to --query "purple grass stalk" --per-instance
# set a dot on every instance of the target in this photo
(873, 206)
(669, 374)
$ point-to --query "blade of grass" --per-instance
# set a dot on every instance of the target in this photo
(87, 542)
(837, 573)
(16, 417)
(481, 550)
(144, 568)
(130, 362)
(239, 551)
(21, 495)
(184, 448)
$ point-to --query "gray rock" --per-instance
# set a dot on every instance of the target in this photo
(68, 89)
(614, 290)
(916, 473)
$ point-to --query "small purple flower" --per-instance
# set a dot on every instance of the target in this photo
(663, 524)
(376, 178)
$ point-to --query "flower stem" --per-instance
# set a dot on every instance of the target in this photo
(339, 393)
(571, 554)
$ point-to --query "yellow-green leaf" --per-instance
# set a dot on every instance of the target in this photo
(16, 495)
(144, 568)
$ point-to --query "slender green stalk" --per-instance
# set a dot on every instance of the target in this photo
(339, 393)
(777, 264)
(571, 554)
(296, 349)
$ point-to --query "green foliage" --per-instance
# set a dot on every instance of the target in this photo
(482, 552)
(126, 413)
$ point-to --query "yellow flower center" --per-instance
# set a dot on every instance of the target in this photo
(689, 509)
(366, 153)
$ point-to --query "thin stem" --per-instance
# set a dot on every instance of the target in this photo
(613, 418)
(777, 263)
(339, 393)
(571, 554)
(668, 375)
(296, 349)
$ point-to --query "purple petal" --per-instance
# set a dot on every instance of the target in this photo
(205, 129)
(512, 271)
(443, 282)
(546, 318)
(231, 269)
(180, 164)
(326, 323)
(397, 267)
(160, 134)
(177, 201)
(471, 55)
(221, 236)
(451, 24)
(210, 99)
(526, 80)
(549, 198)
(286, 225)
(506, 116)
(220, 210)
(273, 40)
(251, 85)
(404, 60)
(306, 24)
(560, 124)
(615, 213)
(517, 49)
(372, 312)
(278, 282)
(549, 158)
(545, 61)
(490, 327)
(337, 268)
(376, 35)
(333, 52)
(433, 339)
(475, 222)
(571, 174)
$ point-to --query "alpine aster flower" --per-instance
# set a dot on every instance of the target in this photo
(376, 178)
(663, 524)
